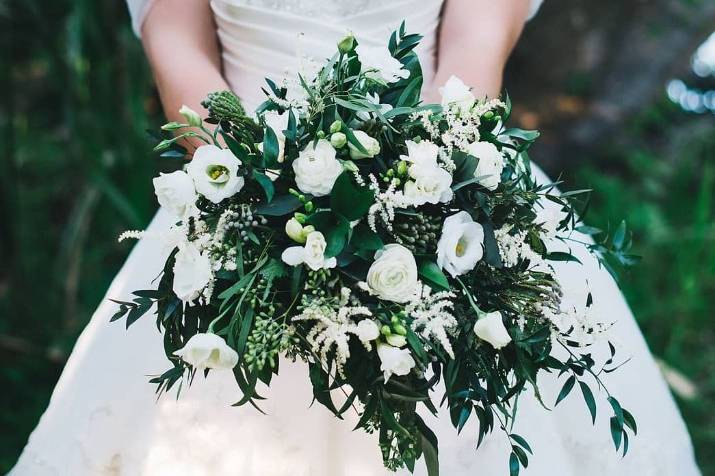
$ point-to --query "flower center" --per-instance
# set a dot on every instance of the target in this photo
(461, 248)
(217, 173)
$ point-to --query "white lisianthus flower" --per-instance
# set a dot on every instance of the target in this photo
(429, 185)
(461, 245)
(549, 217)
(208, 351)
(312, 254)
(456, 92)
(379, 65)
(192, 272)
(393, 274)
(279, 123)
(367, 330)
(370, 144)
(422, 154)
(491, 163)
(175, 192)
(215, 173)
(316, 169)
(490, 328)
(394, 361)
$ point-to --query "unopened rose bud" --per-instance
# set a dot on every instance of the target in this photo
(385, 330)
(191, 116)
(347, 44)
(402, 168)
(294, 230)
(338, 140)
(336, 126)
(396, 340)
(320, 134)
(300, 217)
(309, 207)
(400, 329)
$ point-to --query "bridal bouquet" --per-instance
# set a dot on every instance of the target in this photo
(391, 245)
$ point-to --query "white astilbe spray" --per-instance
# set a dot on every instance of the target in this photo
(433, 317)
(513, 247)
(331, 328)
(386, 202)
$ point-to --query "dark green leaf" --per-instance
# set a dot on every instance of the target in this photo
(280, 206)
(566, 389)
(590, 402)
(432, 273)
(350, 200)
(266, 184)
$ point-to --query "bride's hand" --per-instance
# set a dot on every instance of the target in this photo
(475, 41)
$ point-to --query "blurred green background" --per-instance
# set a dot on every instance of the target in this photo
(625, 107)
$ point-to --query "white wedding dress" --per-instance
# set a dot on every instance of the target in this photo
(104, 419)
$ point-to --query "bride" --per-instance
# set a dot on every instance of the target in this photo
(103, 418)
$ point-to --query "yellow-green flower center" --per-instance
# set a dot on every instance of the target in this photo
(218, 173)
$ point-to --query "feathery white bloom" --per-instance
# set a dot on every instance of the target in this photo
(433, 318)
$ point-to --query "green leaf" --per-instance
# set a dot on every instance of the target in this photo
(630, 421)
(350, 200)
(432, 273)
(529, 136)
(590, 402)
(616, 432)
(513, 465)
(363, 238)
(428, 443)
(617, 410)
(270, 147)
(619, 237)
(335, 228)
(562, 256)
(266, 184)
(566, 389)
(282, 205)
(522, 442)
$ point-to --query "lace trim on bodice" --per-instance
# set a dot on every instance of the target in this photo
(315, 8)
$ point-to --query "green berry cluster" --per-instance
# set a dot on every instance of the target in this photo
(417, 232)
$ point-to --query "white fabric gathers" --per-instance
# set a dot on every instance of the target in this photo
(138, 9)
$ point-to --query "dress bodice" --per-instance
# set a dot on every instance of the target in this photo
(272, 38)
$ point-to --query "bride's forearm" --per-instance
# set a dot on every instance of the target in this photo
(179, 38)
(476, 39)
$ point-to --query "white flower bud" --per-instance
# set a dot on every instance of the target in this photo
(191, 116)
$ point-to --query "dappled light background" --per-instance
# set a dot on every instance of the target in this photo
(623, 91)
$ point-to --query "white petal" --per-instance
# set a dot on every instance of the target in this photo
(293, 256)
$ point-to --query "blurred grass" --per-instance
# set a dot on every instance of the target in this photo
(76, 172)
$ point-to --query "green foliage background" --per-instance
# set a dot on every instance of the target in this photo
(75, 172)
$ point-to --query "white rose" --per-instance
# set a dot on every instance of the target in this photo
(430, 184)
(316, 169)
(367, 330)
(215, 173)
(393, 274)
(379, 65)
(192, 272)
(175, 192)
(370, 144)
(423, 153)
(394, 361)
(456, 92)
(460, 247)
(491, 163)
(549, 217)
(279, 123)
(208, 351)
(490, 328)
(312, 254)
